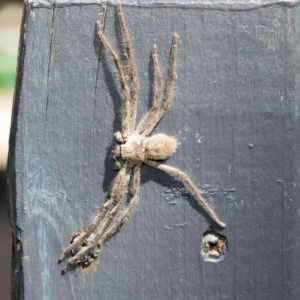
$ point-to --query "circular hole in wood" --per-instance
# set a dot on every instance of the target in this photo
(213, 246)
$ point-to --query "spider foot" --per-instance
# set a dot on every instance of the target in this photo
(84, 252)
(75, 241)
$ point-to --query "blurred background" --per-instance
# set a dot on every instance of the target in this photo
(10, 21)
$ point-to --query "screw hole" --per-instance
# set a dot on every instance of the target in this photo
(213, 246)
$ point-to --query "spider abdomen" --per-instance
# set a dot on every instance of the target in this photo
(160, 146)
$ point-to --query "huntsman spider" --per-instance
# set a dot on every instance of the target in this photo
(134, 148)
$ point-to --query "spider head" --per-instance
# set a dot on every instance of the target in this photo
(132, 151)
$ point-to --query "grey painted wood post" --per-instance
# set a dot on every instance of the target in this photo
(235, 113)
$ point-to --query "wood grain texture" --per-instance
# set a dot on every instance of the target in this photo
(236, 115)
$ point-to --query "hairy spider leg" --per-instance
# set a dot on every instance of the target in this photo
(102, 22)
(169, 86)
(106, 233)
(136, 177)
(189, 185)
(157, 92)
(114, 209)
(122, 79)
(116, 187)
(131, 69)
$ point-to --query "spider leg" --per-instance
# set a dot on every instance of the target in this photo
(131, 69)
(189, 185)
(126, 115)
(83, 255)
(135, 178)
(120, 183)
(102, 237)
(128, 210)
(148, 117)
(168, 92)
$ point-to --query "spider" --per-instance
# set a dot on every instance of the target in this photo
(134, 148)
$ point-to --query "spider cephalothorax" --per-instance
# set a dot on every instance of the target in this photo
(134, 148)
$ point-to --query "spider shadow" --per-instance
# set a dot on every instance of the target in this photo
(111, 82)
(178, 189)
(151, 81)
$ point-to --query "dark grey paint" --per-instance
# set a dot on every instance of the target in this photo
(236, 114)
